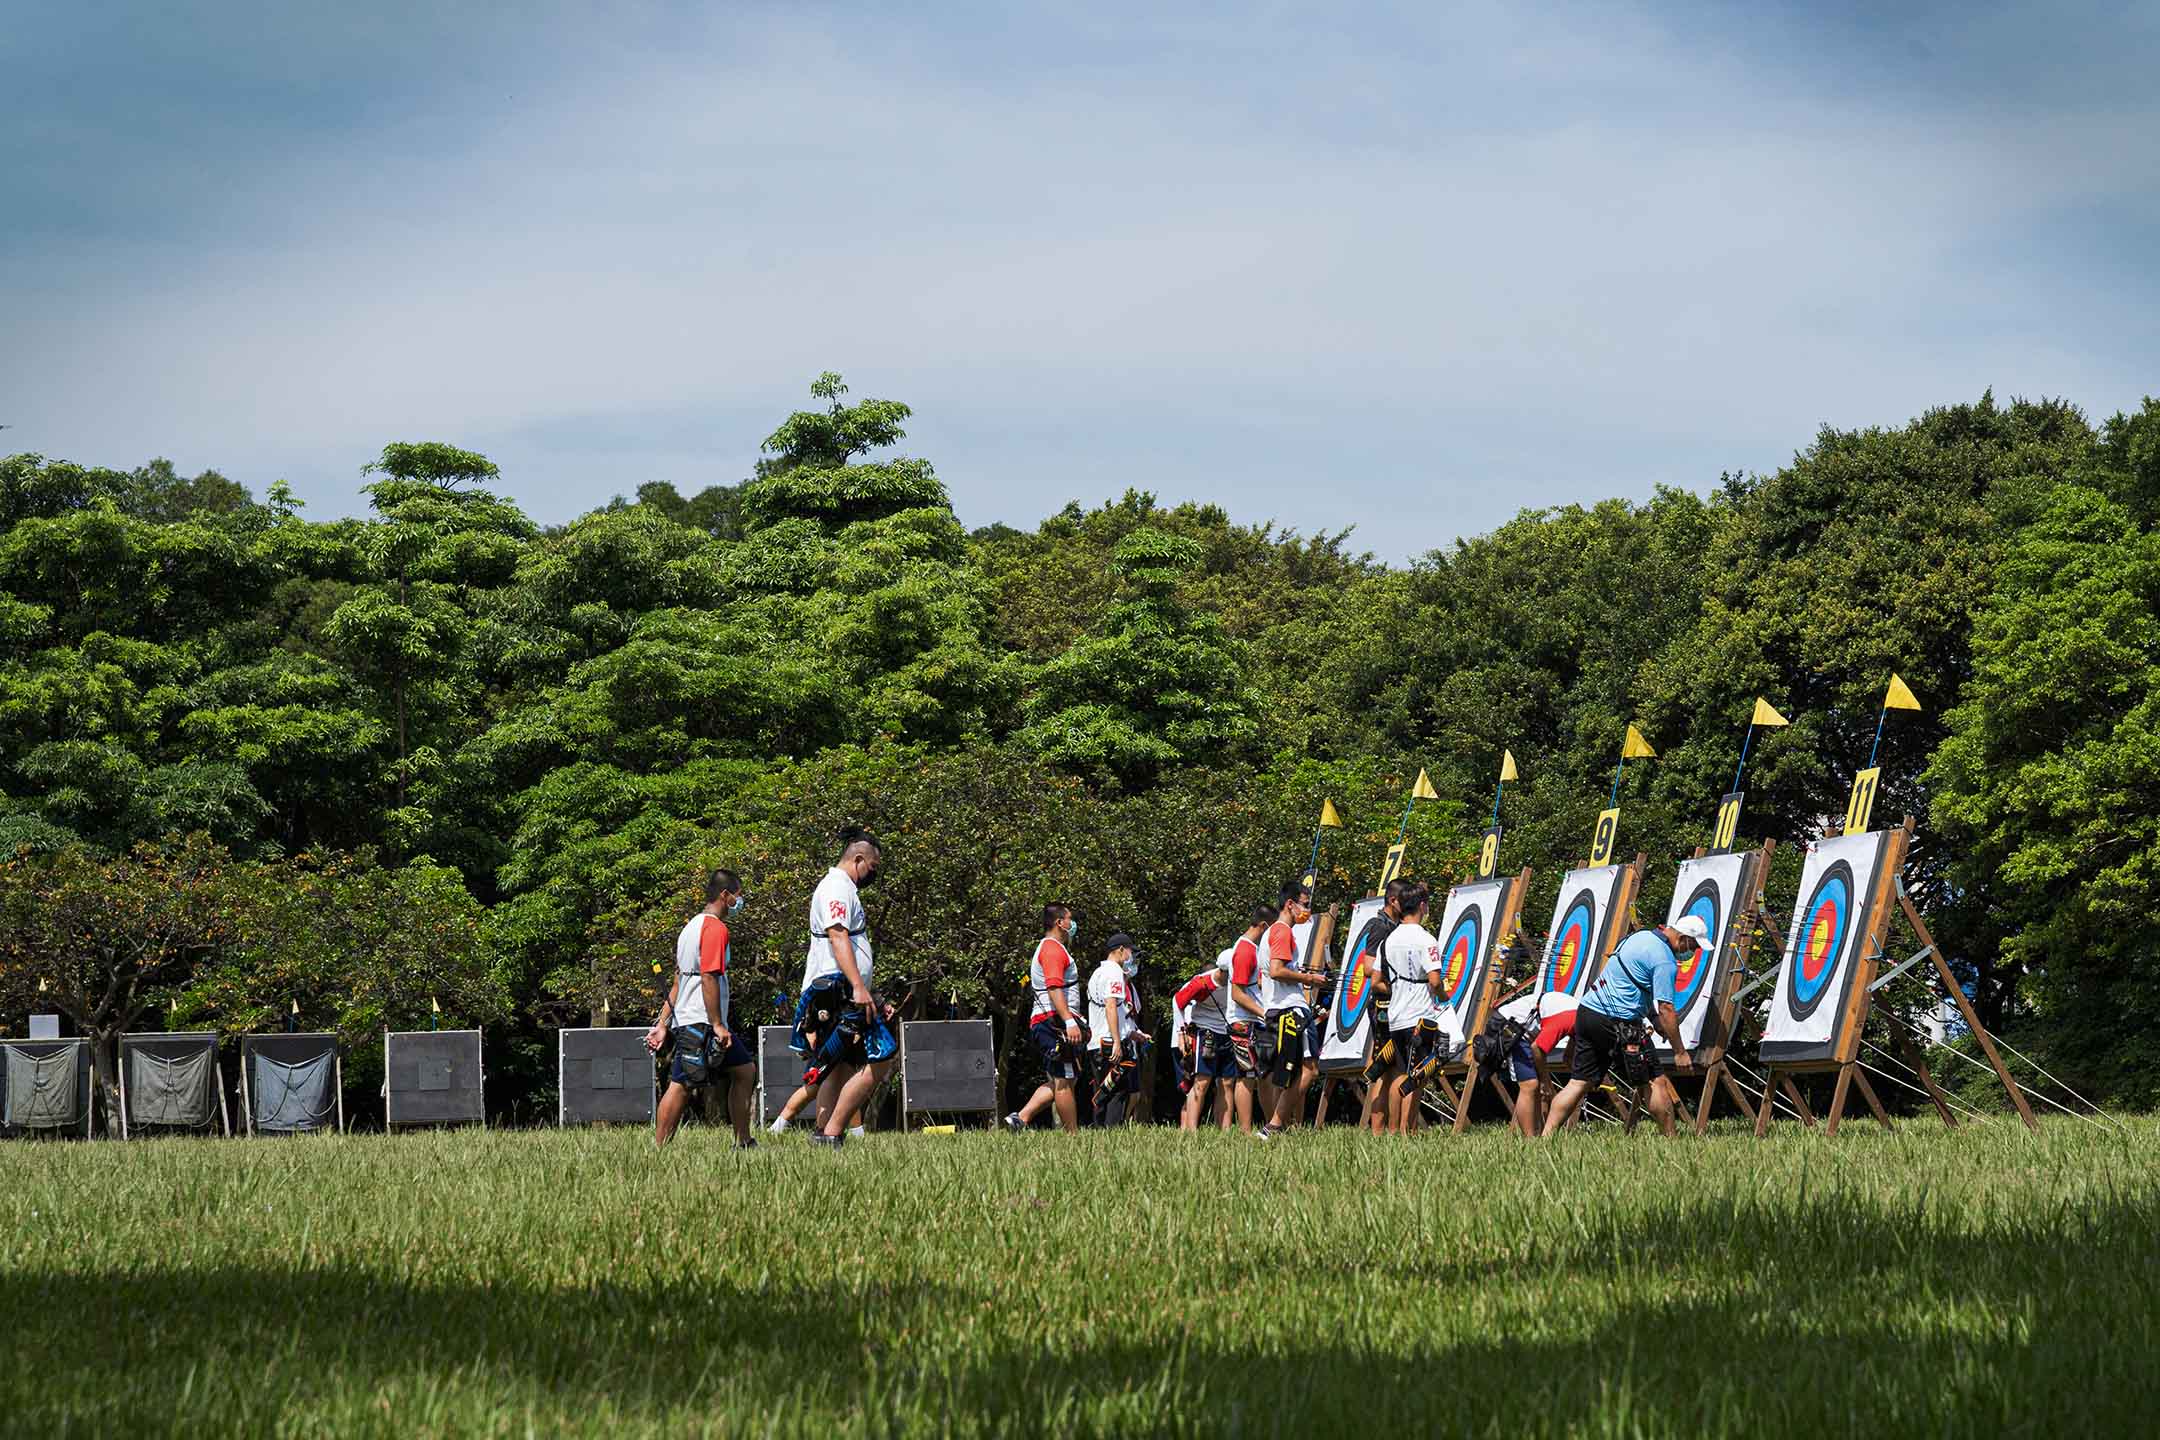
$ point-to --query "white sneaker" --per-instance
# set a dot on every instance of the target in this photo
(778, 1126)
(855, 1131)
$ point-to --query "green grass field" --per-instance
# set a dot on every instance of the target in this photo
(1980, 1283)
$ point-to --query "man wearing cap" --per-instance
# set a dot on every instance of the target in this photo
(1114, 1040)
(1637, 984)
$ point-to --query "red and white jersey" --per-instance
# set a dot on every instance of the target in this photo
(836, 901)
(1109, 982)
(1242, 960)
(1280, 943)
(1052, 969)
(701, 949)
(1201, 998)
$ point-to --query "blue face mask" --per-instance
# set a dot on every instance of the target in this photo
(1132, 967)
(735, 905)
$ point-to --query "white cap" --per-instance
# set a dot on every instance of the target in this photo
(1695, 928)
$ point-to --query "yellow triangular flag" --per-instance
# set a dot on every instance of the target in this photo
(1507, 766)
(1635, 747)
(1423, 789)
(432, 1005)
(1329, 820)
(1900, 696)
(296, 1007)
(1765, 715)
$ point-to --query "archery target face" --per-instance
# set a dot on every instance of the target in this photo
(1349, 1017)
(1466, 935)
(1713, 889)
(1580, 935)
(1830, 927)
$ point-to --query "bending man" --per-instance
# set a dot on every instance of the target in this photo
(1636, 984)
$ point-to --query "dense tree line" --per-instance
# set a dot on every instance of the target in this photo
(442, 755)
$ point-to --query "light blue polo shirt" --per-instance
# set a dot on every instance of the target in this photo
(1639, 978)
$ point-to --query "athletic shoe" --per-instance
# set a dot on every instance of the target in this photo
(857, 1131)
(824, 1141)
(746, 1144)
(1269, 1132)
(1014, 1123)
(1263, 1134)
(778, 1127)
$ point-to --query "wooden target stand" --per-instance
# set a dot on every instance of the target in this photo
(1623, 905)
(1482, 1005)
(1748, 920)
(1845, 1063)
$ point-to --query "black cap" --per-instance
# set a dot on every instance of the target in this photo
(1119, 941)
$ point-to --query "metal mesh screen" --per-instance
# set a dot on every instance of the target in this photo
(779, 1070)
(432, 1077)
(606, 1076)
(948, 1065)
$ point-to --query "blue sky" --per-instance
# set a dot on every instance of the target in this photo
(1409, 268)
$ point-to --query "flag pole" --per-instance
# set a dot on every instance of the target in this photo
(1880, 716)
(1749, 740)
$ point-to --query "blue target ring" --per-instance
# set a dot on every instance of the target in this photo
(1569, 959)
(1352, 1000)
(1694, 975)
(1823, 926)
(1461, 953)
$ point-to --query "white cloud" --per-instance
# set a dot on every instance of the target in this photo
(1657, 262)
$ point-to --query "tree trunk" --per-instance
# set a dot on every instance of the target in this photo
(105, 1072)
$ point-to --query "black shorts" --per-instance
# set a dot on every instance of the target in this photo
(1414, 1046)
(1594, 1049)
(1060, 1060)
(697, 1061)
(1294, 1036)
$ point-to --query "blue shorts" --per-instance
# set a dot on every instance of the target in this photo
(1214, 1058)
(1059, 1063)
(1525, 1064)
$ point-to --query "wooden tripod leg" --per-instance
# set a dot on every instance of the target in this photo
(1919, 1064)
(1680, 1106)
(1837, 1097)
(1972, 1021)
(1768, 1109)
(1711, 1077)
(1867, 1093)
(1739, 1094)
(1792, 1093)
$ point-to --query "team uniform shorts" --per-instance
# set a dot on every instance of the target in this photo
(1594, 1048)
(1522, 1062)
(1213, 1059)
(1060, 1060)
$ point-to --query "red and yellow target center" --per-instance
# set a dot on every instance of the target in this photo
(1457, 961)
(1819, 938)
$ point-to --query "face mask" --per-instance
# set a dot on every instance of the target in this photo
(1072, 932)
(735, 905)
(867, 880)
(1132, 967)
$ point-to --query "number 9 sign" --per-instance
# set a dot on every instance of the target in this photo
(1608, 827)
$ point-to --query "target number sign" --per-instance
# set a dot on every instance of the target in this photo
(1488, 857)
(1728, 823)
(1393, 865)
(1601, 841)
(1862, 805)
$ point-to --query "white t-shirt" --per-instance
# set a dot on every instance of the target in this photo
(1411, 953)
(1211, 1012)
(1282, 994)
(1106, 984)
(836, 901)
(689, 972)
(1180, 1022)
